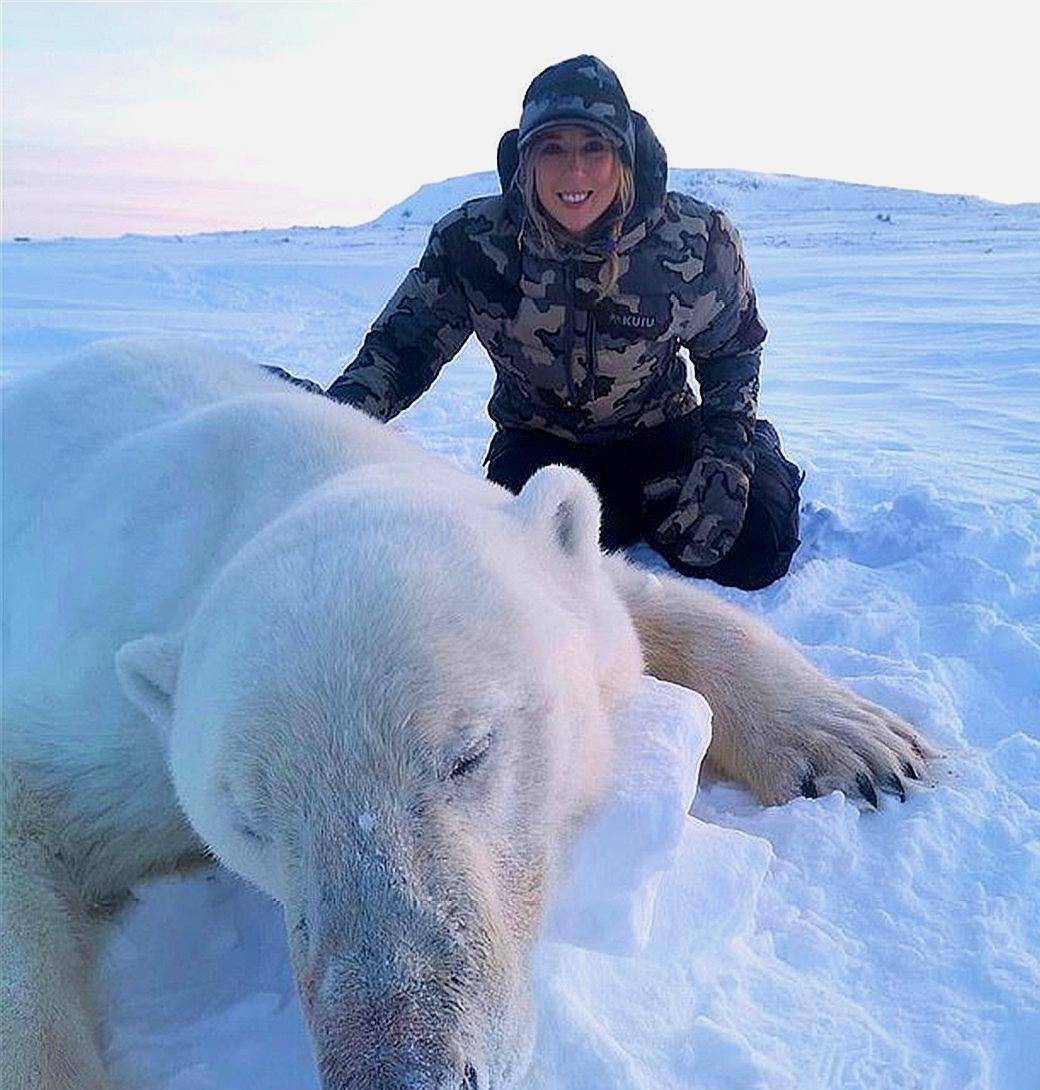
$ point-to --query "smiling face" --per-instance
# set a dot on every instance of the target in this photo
(576, 176)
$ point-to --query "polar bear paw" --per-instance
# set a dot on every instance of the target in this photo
(839, 741)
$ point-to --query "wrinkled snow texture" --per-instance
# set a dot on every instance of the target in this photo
(810, 945)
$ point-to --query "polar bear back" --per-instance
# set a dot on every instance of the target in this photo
(132, 473)
(149, 463)
(64, 416)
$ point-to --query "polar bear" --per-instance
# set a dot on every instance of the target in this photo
(244, 621)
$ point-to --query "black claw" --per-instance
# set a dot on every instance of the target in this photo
(916, 747)
(867, 790)
(912, 772)
(808, 786)
(893, 785)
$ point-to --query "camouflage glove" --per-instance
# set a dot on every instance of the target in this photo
(303, 383)
(709, 511)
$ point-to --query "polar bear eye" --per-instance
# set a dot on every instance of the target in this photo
(240, 824)
(252, 834)
(467, 761)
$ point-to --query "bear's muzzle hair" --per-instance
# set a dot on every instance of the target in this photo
(400, 975)
(388, 1046)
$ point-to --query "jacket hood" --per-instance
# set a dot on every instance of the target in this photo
(581, 90)
(651, 178)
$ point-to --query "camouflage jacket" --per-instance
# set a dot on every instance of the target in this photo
(568, 362)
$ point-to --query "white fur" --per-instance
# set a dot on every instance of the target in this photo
(775, 718)
(243, 619)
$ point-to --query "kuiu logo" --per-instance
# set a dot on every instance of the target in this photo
(633, 321)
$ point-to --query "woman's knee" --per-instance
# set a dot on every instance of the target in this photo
(513, 457)
(756, 559)
(776, 489)
(769, 537)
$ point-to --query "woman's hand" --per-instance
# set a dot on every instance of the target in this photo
(709, 511)
(303, 383)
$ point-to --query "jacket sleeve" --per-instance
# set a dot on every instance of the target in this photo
(726, 353)
(423, 326)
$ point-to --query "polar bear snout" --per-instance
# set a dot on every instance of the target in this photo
(389, 1046)
(405, 972)
(426, 1034)
(434, 1033)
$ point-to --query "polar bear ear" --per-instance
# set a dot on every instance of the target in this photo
(565, 505)
(147, 670)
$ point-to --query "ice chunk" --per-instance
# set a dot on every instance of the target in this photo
(605, 902)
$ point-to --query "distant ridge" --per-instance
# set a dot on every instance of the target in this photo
(751, 198)
(736, 191)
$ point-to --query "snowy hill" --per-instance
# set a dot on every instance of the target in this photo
(735, 191)
(807, 947)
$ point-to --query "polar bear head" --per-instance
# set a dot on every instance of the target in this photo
(389, 712)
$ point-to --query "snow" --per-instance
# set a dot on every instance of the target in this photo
(607, 900)
(811, 945)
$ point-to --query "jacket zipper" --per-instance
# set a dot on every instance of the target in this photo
(568, 335)
(590, 353)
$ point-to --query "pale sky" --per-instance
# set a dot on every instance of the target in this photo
(180, 117)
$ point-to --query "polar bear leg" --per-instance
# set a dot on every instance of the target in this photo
(779, 726)
(46, 1022)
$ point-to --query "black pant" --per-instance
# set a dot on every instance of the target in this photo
(767, 541)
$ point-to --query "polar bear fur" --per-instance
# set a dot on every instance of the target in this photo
(245, 621)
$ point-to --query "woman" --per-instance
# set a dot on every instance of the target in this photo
(583, 279)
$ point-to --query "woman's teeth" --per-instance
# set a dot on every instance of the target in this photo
(575, 198)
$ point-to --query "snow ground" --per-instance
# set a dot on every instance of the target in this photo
(811, 945)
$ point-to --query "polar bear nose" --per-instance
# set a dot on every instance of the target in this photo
(387, 1046)
(421, 1078)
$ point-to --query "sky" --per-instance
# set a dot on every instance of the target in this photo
(167, 118)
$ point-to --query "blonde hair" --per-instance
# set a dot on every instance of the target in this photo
(545, 226)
